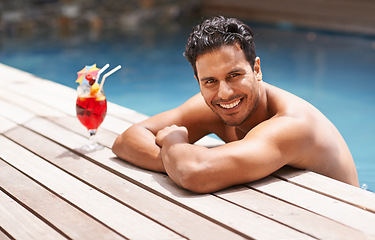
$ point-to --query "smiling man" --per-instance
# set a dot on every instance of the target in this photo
(264, 127)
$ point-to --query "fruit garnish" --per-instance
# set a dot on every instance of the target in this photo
(88, 77)
(101, 98)
(94, 88)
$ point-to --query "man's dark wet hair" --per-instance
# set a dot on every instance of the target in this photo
(216, 32)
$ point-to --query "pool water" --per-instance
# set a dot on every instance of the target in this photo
(335, 72)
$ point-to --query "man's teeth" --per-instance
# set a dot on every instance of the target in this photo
(232, 105)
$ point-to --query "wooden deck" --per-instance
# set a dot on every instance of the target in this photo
(51, 189)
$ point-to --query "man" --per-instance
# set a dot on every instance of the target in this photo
(263, 126)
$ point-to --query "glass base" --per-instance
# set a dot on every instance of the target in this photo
(91, 147)
(92, 144)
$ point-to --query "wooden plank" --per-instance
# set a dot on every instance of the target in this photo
(107, 210)
(103, 136)
(69, 220)
(229, 215)
(41, 91)
(155, 207)
(3, 235)
(6, 124)
(37, 108)
(330, 187)
(11, 75)
(293, 216)
(14, 113)
(125, 113)
(114, 124)
(331, 208)
(21, 224)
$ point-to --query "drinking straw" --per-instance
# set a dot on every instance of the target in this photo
(107, 74)
(100, 72)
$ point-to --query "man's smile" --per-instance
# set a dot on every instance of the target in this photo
(230, 105)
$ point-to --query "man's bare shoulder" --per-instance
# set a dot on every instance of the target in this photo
(318, 145)
(291, 127)
(287, 134)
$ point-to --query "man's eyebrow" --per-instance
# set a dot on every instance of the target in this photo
(237, 70)
(206, 78)
(232, 71)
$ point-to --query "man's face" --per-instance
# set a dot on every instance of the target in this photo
(228, 83)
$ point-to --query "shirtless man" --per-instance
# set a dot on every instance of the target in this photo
(264, 127)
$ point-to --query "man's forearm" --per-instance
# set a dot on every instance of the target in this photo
(183, 163)
(137, 146)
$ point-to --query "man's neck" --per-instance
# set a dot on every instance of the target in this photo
(261, 112)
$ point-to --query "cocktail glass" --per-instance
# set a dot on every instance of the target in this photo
(91, 110)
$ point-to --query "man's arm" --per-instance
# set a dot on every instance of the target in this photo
(137, 144)
(265, 149)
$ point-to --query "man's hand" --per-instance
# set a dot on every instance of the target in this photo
(171, 135)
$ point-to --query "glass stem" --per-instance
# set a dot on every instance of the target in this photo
(92, 133)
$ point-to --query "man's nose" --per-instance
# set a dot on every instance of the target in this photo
(225, 90)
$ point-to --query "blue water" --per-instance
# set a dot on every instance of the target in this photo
(335, 72)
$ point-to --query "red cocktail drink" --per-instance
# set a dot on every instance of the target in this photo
(91, 110)
(91, 104)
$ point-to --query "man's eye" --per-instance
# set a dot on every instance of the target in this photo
(209, 81)
(232, 75)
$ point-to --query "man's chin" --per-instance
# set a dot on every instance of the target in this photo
(231, 121)
(232, 124)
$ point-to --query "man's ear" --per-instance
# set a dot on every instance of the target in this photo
(257, 69)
